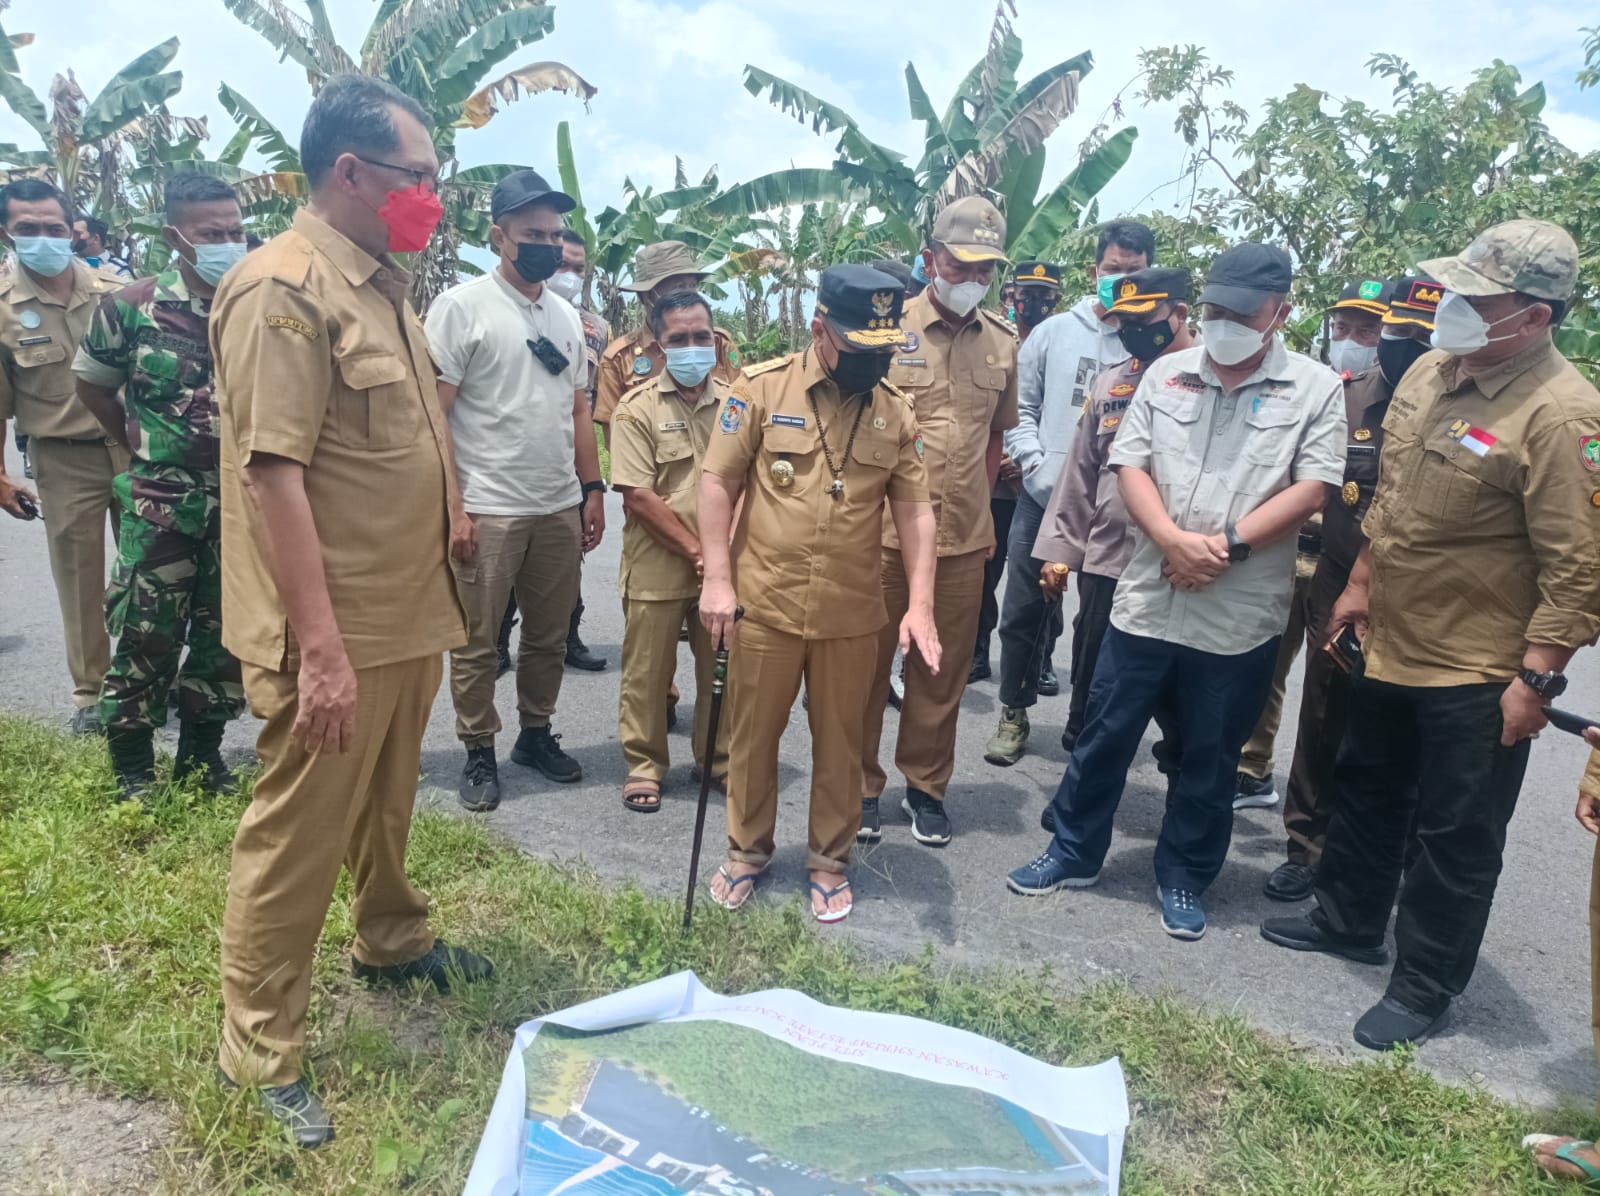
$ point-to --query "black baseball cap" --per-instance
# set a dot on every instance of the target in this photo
(1413, 300)
(523, 187)
(1242, 277)
(1370, 295)
(862, 305)
(1043, 273)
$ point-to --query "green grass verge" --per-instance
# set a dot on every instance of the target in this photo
(108, 968)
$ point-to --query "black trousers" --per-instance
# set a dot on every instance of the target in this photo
(1431, 755)
(1028, 624)
(1000, 510)
(1095, 593)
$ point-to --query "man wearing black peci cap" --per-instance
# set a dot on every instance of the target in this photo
(815, 442)
(512, 380)
(1224, 452)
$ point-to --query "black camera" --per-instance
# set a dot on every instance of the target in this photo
(552, 358)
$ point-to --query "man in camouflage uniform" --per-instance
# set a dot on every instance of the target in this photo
(150, 340)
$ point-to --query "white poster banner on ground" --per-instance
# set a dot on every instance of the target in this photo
(671, 1089)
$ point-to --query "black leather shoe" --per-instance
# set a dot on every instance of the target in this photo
(1049, 683)
(1290, 882)
(537, 748)
(480, 780)
(442, 964)
(296, 1108)
(980, 668)
(1303, 934)
(579, 656)
(1389, 1024)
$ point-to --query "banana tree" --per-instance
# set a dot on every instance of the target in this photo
(440, 53)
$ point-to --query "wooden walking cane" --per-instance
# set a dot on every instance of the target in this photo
(719, 681)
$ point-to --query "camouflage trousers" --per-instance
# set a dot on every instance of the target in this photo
(165, 593)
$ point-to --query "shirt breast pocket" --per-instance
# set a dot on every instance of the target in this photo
(1172, 421)
(787, 464)
(987, 384)
(375, 404)
(33, 365)
(1270, 435)
(674, 464)
(1449, 490)
(877, 453)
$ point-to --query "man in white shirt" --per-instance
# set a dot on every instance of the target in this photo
(514, 383)
(1057, 365)
(1225, 450)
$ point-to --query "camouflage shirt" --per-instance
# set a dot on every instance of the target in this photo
(150, 340)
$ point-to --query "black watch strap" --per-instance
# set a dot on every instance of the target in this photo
(593, 488)
(1547, 685)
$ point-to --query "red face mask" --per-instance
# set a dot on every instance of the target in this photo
(411, 215)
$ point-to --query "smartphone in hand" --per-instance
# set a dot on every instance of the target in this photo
(1345, 649)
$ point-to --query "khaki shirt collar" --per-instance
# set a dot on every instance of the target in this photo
(84, 286)
(356, 264)
(668, 386)
(1495, 379)
(813, 375)
(1274, 366)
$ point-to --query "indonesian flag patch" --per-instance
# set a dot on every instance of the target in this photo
(1476, 440)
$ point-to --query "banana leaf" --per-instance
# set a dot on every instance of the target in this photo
(491, 43)
(279, 153)
(532, 79)
(1059, 211)
(781, 188)
(1023, 134)
(567, 165)
(20, 98)
(136, 89)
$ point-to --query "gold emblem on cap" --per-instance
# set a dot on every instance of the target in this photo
(883, 302)
(1362, 433)
(782, 475)
(1129, 289)
(1351, 494)
(1038, 270)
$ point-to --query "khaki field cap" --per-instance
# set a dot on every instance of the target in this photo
(1533, 257)
(659, 262)
(972, 229)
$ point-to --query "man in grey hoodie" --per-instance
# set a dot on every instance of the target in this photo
(1055, 369)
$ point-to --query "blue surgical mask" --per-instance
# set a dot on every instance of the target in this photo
(45, 256)
(690, 364)
(211, 262)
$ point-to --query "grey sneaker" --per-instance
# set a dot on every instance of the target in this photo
(1254, 793)
(1010, 739)
(296, 1108)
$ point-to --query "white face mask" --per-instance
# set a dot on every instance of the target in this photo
(1229, 342)
(1351, 356)
(1460, 330)
(959, 297)
(566, 284)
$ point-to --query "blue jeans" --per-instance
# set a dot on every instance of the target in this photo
(1215, 700)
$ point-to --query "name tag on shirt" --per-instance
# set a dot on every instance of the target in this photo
(673, 425)
(788, 421)
(25, 341)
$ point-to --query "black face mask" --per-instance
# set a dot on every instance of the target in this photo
(537, 262)
(81, 248)
(1146, 342)
(1034, 310)
(858, 373)
(1396, 357)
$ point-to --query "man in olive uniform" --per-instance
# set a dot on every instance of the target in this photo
(1409, 304)
(149, 340)
(336, 585)
(45, 306)
(659, 436)
(1477, 585)
(815, 442)
(959, 369)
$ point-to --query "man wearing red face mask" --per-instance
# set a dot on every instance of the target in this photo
(336, 587)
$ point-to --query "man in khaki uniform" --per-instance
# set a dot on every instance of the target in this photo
(1480, 579)
(45, 306)
(659, 270)
(815, 442)
(336, 587)
(959, 369)
(660, 434)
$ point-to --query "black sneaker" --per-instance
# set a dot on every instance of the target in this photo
(296, 1108)
(579, 656)
(1049, 683)
(537, 748)
(1389, 1024)
(1303, 933)
(980, 670)
(1254, 793)
(929, 823)
(1290, 882)
(672, 716)
(442, 964)
(200, 753)
(871, 828)
(480, 780)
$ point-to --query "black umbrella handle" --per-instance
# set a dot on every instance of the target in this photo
(719, 682)
(1565, 720)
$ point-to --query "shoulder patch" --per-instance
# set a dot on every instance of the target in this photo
(293, 325)
(1121, 389)
(896, 392)
(615, 347)
(761, 367)
(999, 321)
(635, 391)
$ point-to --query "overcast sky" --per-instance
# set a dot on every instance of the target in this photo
(669, 71)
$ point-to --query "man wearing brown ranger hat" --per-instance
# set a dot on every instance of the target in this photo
(1480, 580)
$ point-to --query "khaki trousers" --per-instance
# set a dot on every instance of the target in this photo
(925, 749)
(649, 658)
(1594, 951)
(310, 814)
(1256, 759)
(765, 669)
(538, 557)
(74, 480)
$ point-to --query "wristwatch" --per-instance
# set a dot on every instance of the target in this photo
(1238, 550)
(593, 488)
(1549, 686)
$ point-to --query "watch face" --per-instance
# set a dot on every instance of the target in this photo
(1238, 552)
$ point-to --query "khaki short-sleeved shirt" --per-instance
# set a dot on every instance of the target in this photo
(38, 340)
(320, 359)
(962, 383)
(1485, 530)
(1216, 456)
(658, 443)
(634, 359)
(804, 562)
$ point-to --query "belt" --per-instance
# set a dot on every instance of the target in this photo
(1310, 545)
(100, 440)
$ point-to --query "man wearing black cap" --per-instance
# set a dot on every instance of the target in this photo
(512, 380)
(815, 442)
(1222, 455)
(1408, 305)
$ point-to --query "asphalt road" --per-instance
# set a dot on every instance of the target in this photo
(1521, 1028)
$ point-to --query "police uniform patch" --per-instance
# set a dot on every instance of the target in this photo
(1351, 494)
(733, 357)
(293, 325)
(1362, 434)
(732, 415)
(641, 365)
(1589, 446)
(788, 421)
(28, 319)
(1110, 422)
(1122, 388)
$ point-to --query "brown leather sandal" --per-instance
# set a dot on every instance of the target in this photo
(641, 795)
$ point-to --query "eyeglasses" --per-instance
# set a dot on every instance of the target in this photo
(430, 178)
